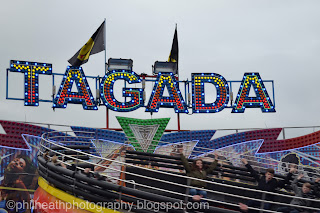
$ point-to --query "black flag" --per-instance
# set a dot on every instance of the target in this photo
(174, 54)
(95, 45)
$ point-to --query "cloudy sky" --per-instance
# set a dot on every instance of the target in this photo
(278, 39)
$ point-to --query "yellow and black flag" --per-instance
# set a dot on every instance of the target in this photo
(174, 54)
(95, 45)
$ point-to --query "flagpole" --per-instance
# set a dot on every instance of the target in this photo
(105, 67)
(105, 47)
(178, 114)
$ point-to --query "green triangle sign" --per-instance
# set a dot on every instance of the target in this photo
(143, 134)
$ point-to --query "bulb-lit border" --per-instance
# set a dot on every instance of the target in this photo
(31, 71)
(198, 93)
(175, 98)
(83, 96)
(107, 91)
(262, 99)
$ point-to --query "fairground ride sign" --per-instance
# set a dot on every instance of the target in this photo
(135, 96)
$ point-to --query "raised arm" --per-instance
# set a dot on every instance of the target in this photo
(185, 163)
(213, 165)
(253, 173)
(294, 183)
(286, 181)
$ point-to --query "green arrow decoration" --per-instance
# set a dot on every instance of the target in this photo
(143, 134)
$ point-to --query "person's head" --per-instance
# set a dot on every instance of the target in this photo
(269, 174)
(46, 156)
(17, 165)
(197, 164)
(292, 165)
(54, 159)
(306, 188)
(20, 167)
(87, 170)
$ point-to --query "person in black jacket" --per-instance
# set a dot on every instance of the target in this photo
(316, 193)
(316, 188)
(267, 183)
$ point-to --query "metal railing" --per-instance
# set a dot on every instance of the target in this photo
(47, 144)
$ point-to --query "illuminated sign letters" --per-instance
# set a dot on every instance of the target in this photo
(74, 75)
(31, 71)
(198, 93)
(107, 95)
(175, 100)
(261, 100)
(134, 96)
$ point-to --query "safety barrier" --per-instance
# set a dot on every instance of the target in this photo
(79, 184)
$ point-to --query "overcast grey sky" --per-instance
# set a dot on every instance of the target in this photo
(279, 39)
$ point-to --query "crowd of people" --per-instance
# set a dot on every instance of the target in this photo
(87, 169)
(265, 182)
